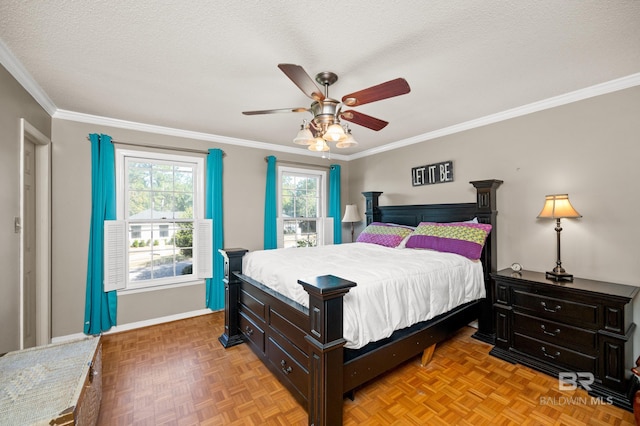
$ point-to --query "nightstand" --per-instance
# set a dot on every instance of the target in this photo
(581, 329)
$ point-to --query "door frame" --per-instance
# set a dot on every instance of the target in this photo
(43, 231)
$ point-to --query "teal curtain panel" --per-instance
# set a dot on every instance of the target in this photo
(270, 206)
(100, 307)
(215, 285)
(334, 208)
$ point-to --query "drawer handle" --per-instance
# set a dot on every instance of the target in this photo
(544, 306)
(285, 369)
(248, 330)
(549, 333)
(544, 352)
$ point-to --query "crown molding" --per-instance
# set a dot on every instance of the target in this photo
(188, 134)
(19, 72)
(577, 95)
(567, 98)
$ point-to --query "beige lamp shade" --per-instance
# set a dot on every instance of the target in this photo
(349, 141)
(334, 133)
(304, 137)
(351, 214)
(558, 207)
(318, 145)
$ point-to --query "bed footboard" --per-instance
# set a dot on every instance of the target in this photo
(303, 348)
(326, 343)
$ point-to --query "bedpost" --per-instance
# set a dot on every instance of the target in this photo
(487, 213)
(232, 263)
(371, 211)
(326, 342)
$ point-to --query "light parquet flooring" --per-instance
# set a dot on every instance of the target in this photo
(178, 374)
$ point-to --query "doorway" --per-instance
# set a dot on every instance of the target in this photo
(34, 225)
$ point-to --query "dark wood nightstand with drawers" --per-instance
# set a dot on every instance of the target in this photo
(578, 328)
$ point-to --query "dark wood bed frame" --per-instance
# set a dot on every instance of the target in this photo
(304, 348)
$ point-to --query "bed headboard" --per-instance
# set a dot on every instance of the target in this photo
(484, 209)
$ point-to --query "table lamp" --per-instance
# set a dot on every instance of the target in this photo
(558, 207)
(351, 215)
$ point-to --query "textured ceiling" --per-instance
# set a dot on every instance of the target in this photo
(197, 65)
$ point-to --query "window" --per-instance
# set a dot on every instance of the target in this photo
(136, 231)
(302, 207)
(160, 198)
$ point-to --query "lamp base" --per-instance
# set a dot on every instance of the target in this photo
(559, 276)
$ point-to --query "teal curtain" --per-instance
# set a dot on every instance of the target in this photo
(270, 206)
(215, 285)
(334, 202)
(100, 307)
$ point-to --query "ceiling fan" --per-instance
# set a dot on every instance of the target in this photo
(327, 112)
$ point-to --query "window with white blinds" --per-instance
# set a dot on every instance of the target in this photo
(302, 202)
(160, 237)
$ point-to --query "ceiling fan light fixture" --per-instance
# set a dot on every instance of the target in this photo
(318, 145)
(348, 141)
(304, 136)
(334, 133)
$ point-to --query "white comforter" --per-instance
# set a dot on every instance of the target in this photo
(395, 287)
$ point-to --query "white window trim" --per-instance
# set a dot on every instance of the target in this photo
(323, 220)
(198, 212)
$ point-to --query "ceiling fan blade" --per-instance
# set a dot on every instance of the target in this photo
(299, 76)
(274, 111)
(363, 120)
(391, 88)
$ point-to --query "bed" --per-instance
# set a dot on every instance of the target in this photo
(302, 340)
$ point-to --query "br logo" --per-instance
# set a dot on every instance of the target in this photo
(568, 380)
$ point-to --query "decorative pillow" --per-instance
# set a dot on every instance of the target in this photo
(384, 234)
(466, 239)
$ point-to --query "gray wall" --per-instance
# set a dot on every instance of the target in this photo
(15, 103)
(243, 187)
(588, 149)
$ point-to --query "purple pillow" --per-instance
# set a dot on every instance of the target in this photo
(384, 234)
(466, 239)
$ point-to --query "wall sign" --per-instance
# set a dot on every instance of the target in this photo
(432, 173)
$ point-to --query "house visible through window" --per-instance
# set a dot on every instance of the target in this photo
(136, 231)
(301, 207)
(160, 197)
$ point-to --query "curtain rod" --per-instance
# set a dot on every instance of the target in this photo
(296, 163)
(195, 151)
